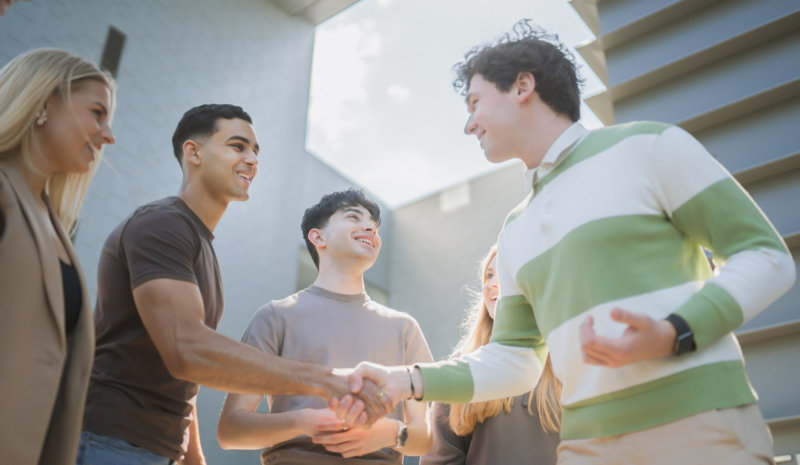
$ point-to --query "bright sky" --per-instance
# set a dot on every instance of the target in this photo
(383, 111)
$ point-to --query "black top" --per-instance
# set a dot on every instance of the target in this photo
(73, 298)
(509, 438)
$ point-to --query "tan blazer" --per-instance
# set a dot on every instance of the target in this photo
(43, 376)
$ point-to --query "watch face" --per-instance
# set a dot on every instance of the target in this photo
(403, 437)
(685, 343)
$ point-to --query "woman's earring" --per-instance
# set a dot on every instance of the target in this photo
(41, 118)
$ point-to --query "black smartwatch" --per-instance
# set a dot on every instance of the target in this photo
(684, 342)
(402, 435)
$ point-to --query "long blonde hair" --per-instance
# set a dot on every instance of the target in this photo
(26, 82)
(477, 329)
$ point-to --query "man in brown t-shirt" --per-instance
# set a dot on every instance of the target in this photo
(335, 323)
(159, 301)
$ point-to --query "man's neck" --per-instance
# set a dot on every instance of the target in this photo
(542, 134)
(339, 279)
(208, 208)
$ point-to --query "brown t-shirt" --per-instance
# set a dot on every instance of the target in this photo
(339, 331)
(132, 396)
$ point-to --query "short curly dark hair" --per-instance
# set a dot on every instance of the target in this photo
(202, 121)
(526, 49)
(317, 216)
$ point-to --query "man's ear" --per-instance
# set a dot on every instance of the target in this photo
(192, 153)
(316, 238)
(525, 86)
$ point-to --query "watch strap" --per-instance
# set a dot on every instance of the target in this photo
(684, 341)
(402, 435)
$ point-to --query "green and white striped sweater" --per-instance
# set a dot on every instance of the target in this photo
(619, 217)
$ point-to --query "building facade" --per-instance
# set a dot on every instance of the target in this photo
(728, 71)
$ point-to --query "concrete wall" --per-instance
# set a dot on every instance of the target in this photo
(179, 54)
(435, 254)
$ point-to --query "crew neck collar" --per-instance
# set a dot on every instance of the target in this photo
(362, 297)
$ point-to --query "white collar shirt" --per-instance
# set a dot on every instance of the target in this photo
(556, 154)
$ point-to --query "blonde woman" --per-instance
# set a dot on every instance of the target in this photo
(55, 111)
(522, 429)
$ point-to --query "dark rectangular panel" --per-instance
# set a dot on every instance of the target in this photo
(112, 51)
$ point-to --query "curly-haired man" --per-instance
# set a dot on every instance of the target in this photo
(603, 263)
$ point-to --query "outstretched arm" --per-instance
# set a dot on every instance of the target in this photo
(172, 313)
(493, 371)
(506, 367)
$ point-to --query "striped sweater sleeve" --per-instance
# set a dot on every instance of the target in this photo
(508, 366)
(703, 201)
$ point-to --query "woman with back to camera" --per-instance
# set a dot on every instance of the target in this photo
(55, 112)
(522, 429)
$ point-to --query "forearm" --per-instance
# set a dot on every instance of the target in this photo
(172, 312)
(244, 430)
(747, 283)
(216, 361)
(506, 367)
(708, 206)
(492, 372)
(420, 438)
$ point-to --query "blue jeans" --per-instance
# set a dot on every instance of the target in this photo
(95, 449)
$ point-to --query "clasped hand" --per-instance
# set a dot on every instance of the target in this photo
(327, 430)
(374, 387)
(643, 339)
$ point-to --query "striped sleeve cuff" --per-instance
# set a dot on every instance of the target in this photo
(448, 382)
(711, 313)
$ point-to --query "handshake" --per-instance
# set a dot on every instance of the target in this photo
(363, 395)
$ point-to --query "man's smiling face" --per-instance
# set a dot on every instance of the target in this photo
(493, 118)
(351, 234)
(230, 159)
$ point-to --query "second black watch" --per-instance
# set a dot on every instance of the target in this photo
(402, 435)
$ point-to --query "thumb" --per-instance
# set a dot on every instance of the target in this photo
(586, 332)
(356, 380)
(629, 318)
